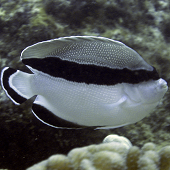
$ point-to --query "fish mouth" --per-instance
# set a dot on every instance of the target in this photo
(162, 84)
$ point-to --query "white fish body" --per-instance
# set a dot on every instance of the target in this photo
(65, 103)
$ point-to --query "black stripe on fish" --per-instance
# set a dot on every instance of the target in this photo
(90, 74)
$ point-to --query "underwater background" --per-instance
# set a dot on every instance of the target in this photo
(142, 25)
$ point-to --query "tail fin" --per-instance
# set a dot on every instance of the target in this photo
(16, 84)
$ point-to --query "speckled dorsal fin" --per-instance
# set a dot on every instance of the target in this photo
(88, 50)
(44, 48)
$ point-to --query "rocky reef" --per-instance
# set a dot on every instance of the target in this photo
(142, 25)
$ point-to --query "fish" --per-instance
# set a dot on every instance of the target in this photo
(85, 81)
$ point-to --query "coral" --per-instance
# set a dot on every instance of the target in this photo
(106, 160)
(116, 152)
(120, 139)
(165, 158)
(149, 160)
(132, 158)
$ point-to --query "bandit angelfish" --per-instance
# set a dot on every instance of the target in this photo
(84, 81)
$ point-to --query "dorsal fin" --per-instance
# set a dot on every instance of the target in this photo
(89, 50)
